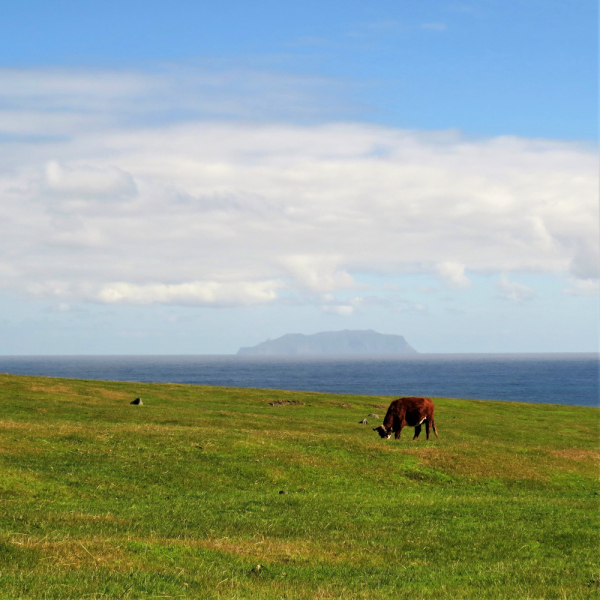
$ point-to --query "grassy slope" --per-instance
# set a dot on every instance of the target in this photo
(180, 497)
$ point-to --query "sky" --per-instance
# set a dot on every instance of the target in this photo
(193, 177)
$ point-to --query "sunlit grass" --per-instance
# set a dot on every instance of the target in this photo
(180, 497)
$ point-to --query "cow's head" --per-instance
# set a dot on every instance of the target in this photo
(383, 432)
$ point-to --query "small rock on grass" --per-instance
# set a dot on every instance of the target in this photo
(137, 402)
(363, 422)
(374, 416)
(283, 492)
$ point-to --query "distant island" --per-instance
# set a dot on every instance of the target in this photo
(331, 342)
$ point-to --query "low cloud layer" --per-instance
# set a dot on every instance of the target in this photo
(228, 212)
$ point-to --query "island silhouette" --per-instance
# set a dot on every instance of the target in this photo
(355, 342)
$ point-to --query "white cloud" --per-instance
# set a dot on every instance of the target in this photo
(583, 287)
(318, 273)
(43, 101)
(91, 181)
(194, 293)
(516, 292)
(453, 274)
(227, 212)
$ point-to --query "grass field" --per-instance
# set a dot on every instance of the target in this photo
(181, 497)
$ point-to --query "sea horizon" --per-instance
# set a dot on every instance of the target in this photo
(552, 378)
(367, 355)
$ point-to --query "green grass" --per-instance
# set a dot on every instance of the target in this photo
(181, 497)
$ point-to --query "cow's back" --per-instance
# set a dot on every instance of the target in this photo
(415, 409)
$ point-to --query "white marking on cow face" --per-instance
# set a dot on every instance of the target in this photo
(383, 432)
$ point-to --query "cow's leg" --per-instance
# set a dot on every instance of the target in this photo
(398, 427)
(427, 427)
(417, 431)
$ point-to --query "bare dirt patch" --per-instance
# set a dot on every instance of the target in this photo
(286, 403)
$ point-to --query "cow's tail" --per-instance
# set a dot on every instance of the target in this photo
(434, 427)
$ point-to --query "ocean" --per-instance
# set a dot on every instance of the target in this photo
(539, 378)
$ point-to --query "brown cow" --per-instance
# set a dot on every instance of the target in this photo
(407, 411)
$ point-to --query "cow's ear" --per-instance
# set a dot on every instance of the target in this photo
(375, 428)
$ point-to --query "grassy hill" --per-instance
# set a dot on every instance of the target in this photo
(182, 497)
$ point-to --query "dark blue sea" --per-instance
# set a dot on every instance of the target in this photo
(541, 378)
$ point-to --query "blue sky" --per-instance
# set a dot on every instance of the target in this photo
(191, 177)
(487, 67)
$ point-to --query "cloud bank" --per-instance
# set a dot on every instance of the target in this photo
(203, 210)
